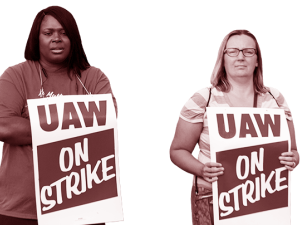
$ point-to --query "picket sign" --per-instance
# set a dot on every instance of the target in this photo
(76, 163)
(255, 187)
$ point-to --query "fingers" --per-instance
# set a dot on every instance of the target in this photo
(288, 154)
(289, 168)
(212, 167)
(210, 175)
(288, 159)
(213, 164)
(288, 163)
(212, 171)
(210, 179)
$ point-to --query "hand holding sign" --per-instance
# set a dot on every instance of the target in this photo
(252, 145)
(288, 159)
(211, 171)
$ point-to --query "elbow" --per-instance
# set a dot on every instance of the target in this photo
(4, 135)
(3, 138)
(172, 158)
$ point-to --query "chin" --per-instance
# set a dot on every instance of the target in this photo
(57, 60)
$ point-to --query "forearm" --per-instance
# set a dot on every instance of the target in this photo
(15, 131)
(186, 161)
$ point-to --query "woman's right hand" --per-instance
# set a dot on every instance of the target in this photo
(211, 171)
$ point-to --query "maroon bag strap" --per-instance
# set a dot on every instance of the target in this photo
(255, 100)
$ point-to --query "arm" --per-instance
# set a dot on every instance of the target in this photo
(293, 143)
(186, 137)
(15, 130)
(290, 159)
(14, 127)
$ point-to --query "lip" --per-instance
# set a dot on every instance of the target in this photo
(57, 50)
(241, 67)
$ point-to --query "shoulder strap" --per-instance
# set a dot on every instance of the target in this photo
(274, 98)
(255, 100)
(208, 97)
(269, 90)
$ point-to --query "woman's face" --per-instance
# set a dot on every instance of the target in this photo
(54, 44)
(240, 66)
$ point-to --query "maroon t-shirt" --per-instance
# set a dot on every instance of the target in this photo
(17, 84)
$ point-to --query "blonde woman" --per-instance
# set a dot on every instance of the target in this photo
(237, 81)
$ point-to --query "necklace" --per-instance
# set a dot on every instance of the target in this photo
(42, 93)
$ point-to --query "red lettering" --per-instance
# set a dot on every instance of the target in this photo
(69, 110)
(221, 126)
(264, 127)
(246, 120)
(53, 117)
(93, 109)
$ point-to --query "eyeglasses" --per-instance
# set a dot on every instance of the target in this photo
(233, 52)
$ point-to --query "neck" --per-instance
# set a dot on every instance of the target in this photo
(52, 67)
(242, 87)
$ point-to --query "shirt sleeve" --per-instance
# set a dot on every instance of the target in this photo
(103, 87)
(194, 109)
(281, 102)
(11, 100)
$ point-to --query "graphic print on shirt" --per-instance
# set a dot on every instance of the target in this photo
(50, 94)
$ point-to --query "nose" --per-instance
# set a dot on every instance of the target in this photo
(56, 37)
(241, 55)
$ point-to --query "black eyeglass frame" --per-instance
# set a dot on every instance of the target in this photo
(242, 50)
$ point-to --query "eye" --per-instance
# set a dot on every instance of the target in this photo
(63, 32)
(232, 51)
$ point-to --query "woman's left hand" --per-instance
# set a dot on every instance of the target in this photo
(289, 159)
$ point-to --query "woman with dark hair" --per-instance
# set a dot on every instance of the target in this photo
(237, 81)
(76, 59)
(55, 65)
